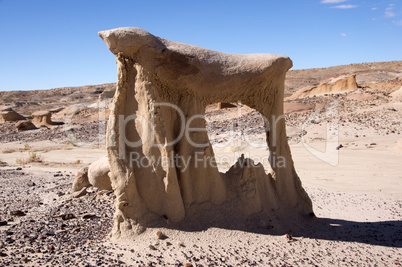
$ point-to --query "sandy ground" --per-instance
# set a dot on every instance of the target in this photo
(358, 204)
(347, 150)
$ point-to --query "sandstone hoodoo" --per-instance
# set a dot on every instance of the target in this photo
(161, 161)
(42, 118)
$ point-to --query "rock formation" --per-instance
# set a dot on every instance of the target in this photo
(8, 114)
(80, 180)
(161, 161)
(333, 85)
(25, 125)
(42, 118)
(98, 174)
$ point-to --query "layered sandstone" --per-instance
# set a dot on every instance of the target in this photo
(333, 85)
(8, 114)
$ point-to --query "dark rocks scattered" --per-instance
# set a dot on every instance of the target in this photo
(30, 236)
(86, 133)
(89, 216)
(17, 213)
(36, 237)
(68, 216)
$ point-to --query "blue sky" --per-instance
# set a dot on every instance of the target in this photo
(49, 44)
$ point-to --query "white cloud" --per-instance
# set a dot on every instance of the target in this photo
(332, 1)
(374, 8)
(345, 6)
(389, 13)
(343, 34)
(398, 23)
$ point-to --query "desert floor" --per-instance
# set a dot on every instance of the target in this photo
(354, 180)
(358, 204)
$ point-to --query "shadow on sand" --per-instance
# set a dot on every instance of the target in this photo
(382, 233)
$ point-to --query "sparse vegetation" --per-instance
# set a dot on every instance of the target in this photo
(27, 147)
(72, 140)
(33, 157)
(78, 161)
(20, 161)
(8, 151)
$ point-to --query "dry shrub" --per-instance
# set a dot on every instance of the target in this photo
(27, 147)
(33, 157)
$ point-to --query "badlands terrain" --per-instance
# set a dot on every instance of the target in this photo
(344, 129)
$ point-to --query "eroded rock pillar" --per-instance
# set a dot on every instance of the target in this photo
(161, 161)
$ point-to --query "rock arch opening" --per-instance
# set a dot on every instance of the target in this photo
(235, 130)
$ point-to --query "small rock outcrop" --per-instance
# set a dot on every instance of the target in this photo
(98, 174)
(162, 165)
(333, 85)
(42, 118)
(80, 180)
(8, 114)
(25, 125)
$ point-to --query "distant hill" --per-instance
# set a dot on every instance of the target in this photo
(26, 102)
(29, 101)
(366, 73)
